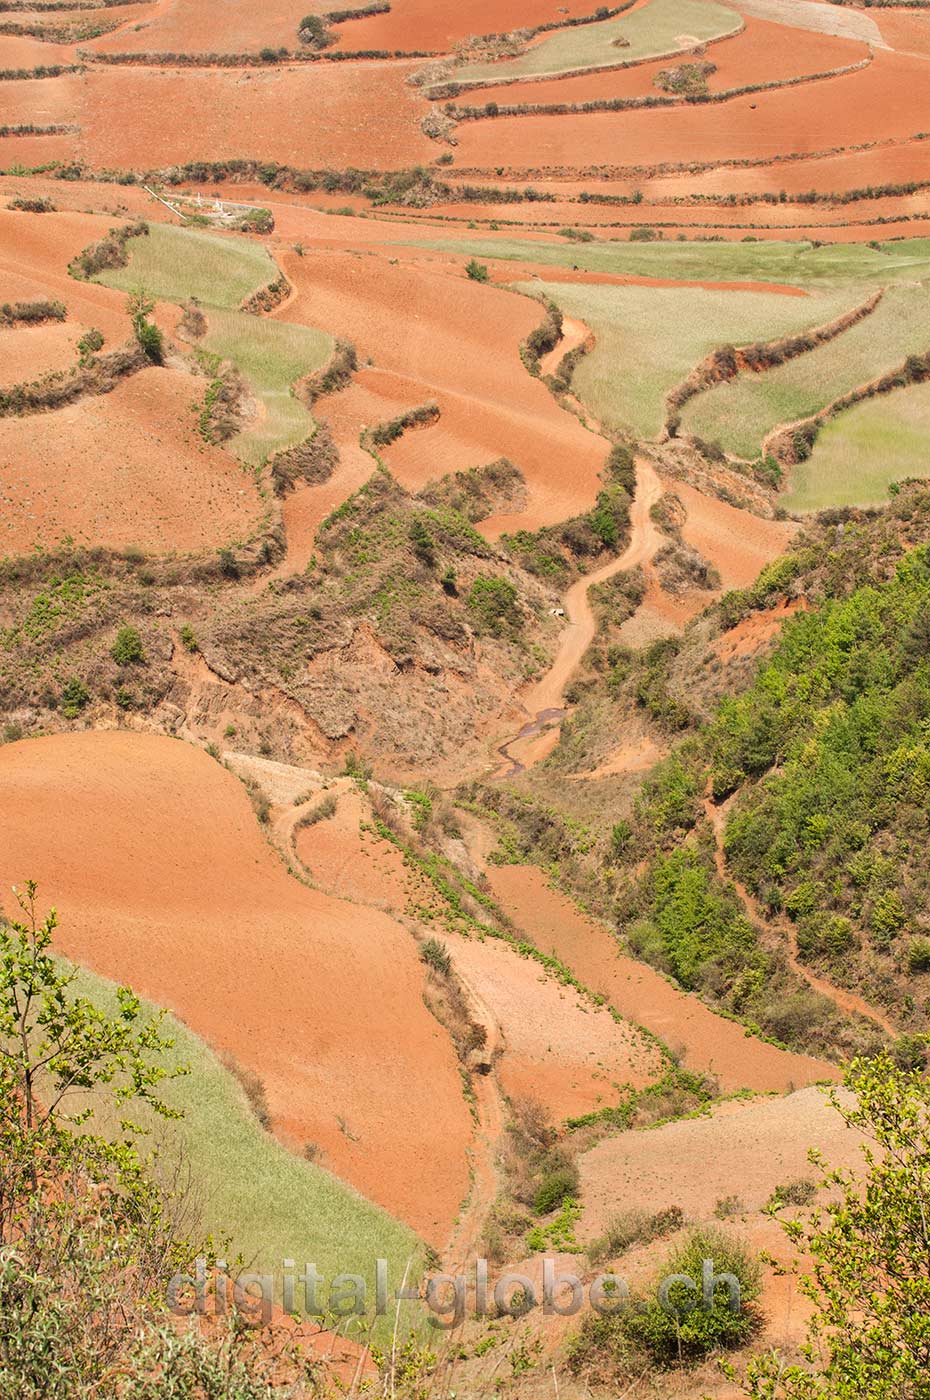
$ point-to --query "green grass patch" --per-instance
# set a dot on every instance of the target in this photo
(654, 30)
(798, 263)
(860, 453)
(270, 1204)
(271, 355)
(174, 264)
(740, 413)
(649, 338)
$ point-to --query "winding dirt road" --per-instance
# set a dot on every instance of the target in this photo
(545, 700)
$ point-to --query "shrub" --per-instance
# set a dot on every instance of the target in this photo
(478, 272)
(918, 955)
(494, 603)
(643, 234)
(556, 1186)
(436, 955)
(253, 1088)
(423, 545)
(633, 1227)
(188, 640)
(127, 650)
(689, 1329)
(74, 697)
(88, 345)
(800, 1191)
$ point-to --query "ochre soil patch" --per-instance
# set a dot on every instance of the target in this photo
(742, 1148)
(207, 26)
(908, 33)
(350, 863)
(425, 25)
(737, 543)
(884, 100)
(163, 880)
(881, 165)
(26, 352)
(124, 468)
(708, 1043)
(762, 53)
(137, 118)
(457, 342)
(557, 1048)
(755, 632)
(40, 101)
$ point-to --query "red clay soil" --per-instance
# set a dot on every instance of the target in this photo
(40, 101)
(885, 164)
(743, 1149)
(908, 33)
(762, 53)
(884, 100)
(456, 341)
(425, 25)
(124, 468)
(709, 1043)
(755, 632)
(350, 863)
(737, 543)
(26, 352)
(207, 26)
(163, 880)
(274, 113)
(555, 1046)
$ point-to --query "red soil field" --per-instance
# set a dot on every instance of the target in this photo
(206, 26)
(739, 544)
(40, 101)
(708, 1042)
(556, 1047)
(425, 25)
(26, 352)
(264, 113)
(762, 53)
(27, 51)
(162, 879)
(884, 100)
(457, 342)
(124, 468)
(908, 33)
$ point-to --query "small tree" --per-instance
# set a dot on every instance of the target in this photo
(140, 307)
(128, 650)
(869, 1337)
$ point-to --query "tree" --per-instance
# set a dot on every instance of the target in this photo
(128, 650)
(140, 306)
(869, 1337)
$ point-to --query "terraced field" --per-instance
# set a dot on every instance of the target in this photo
(658, 27)
(862, 451)
(740, 414)
(648, 339)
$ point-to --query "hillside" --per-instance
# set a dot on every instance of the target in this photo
(464, 636)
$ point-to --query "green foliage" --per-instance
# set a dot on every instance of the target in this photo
(554, 1188)
(74, 697)
(495, 605)
(701, 931)
(869, 1337)
(188, 639)
(128, 650)
(478, 272)
(424, 546)
(88, 345)
(436, 955)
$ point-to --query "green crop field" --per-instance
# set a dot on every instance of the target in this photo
(271, 355)
(649, 338)
(654, 30)
(859, 453)
(175, 264)
(798, 263)
(269, 1204)
(740, 413)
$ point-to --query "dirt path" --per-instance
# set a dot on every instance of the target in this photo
(784, 933)
(545, 701)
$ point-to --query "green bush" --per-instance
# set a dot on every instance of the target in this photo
(494, 603)
(478, 272)
(128, 650)
(74, 697)
(436, 955)
(555, 1187)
